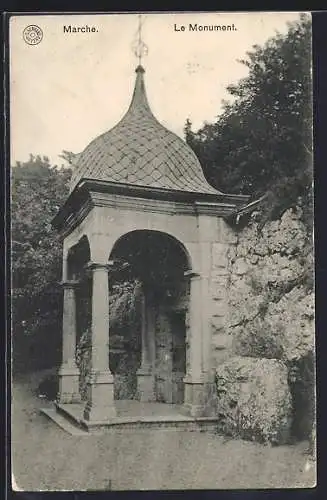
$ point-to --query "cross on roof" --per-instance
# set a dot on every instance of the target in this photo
(140, 49)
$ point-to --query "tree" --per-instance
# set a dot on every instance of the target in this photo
(262, 142)
(68, 156)
(38, 190)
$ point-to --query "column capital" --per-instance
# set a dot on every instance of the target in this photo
(97, 266)
(191, 274)
(111, 265)
(68, 284)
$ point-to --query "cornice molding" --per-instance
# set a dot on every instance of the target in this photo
(66, 225)
(162, 194)
(192, 275)
(140, 204)
(90, 194)
(246, 210)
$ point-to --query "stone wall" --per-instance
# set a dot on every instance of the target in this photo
(263, 285)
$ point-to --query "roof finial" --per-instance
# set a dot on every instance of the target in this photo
(140, 49)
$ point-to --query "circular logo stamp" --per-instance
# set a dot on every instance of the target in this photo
(32, 34)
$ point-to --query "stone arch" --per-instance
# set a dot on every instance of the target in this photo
(158, 260)
(148, 234)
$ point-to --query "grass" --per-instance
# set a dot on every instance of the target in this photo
(45, 457)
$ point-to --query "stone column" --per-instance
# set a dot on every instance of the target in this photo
(100, 400)
(145, 375)
(69, 372)
(194, 399)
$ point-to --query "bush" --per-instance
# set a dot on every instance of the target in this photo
(38, 190)
(49, 387)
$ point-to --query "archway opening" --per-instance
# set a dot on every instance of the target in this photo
(148, 353)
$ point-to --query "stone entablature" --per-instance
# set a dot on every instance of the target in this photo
(90, 194)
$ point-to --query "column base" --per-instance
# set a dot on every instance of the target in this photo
(100, 406)
(194, 398)
(68, 384)
(145, 385)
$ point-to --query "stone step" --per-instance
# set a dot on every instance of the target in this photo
(78, 427)
(63, 422)
(190, 426)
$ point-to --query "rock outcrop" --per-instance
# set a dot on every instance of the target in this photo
(270, 323)
(270, 297)
(254, 399)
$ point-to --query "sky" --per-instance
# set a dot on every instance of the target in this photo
(72, 87)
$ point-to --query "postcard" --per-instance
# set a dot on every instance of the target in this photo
(162, 251)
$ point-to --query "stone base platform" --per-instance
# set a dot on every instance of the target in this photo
(131, 415)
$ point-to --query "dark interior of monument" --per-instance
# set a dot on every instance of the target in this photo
(145, 262)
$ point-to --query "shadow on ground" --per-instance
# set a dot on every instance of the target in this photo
(45, 457)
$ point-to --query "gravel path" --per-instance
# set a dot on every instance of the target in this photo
(47, 458)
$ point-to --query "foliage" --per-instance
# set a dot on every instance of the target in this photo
(302, 385)
(262, 142)
(38, 189)
(37, 192)
(124, 307)
(48, 387)
(68, 156)
(83, 361)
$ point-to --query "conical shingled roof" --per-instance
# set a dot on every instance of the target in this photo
(140, 151)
